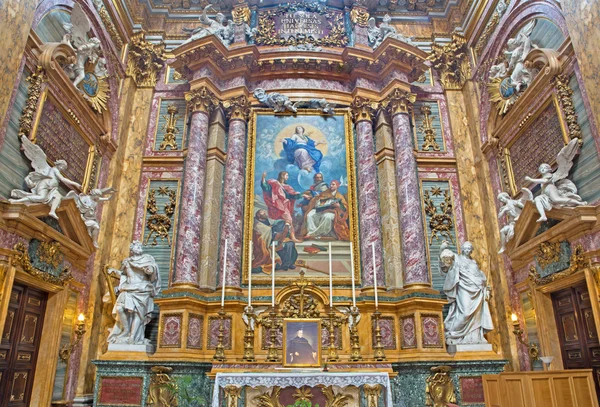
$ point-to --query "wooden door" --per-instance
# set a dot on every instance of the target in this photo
(19, 345)
(577, 330)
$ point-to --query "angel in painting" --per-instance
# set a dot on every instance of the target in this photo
(43, 181)
(512, 209)
(85, 49)
(557, 190)
(87, 204)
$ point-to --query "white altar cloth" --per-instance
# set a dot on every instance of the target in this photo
(300, 379)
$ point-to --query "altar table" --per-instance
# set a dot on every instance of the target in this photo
(299, 379)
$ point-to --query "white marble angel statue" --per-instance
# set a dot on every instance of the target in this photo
(251, 313)
(512, 209)
(85, 49)
(275, 100)
(376, 34)
(352, 314)
(87, 204)
(469, 316)
(43, 181)
(139, 283)
(557, 190)
(217, 27)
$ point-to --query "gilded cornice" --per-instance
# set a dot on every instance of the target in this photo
(201, 100)
(399, 101)
(363, 109)
(145, 61)
(452, 62)
(237, 108)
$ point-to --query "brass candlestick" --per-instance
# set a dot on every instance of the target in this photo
(378, 354)
(273, 324)
(249, 334)
(354, 343)
(220, 349)
(332, 354)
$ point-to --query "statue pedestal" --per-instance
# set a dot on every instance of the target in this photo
(123, 347)
(473, 347)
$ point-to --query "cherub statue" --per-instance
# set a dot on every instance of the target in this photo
(251, 314)
(278, 102)
(376, 34)
(85, 49)
(87, 204)
(352, 314)
(557, 190)
(512, 209)
(43, 181)
(216, 27)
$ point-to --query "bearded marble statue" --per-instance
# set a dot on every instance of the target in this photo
(469, 316)
(139, 283)
(376, 34)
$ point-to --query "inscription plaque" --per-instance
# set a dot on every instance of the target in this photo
(120, 391)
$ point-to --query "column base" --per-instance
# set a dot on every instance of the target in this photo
(185, 285)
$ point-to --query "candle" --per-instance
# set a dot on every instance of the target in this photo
(330, 279)
(273, 275)
(224, 275)
(352, 272)
(250, 275)
(375, 276)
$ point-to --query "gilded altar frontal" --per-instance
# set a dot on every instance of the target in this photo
(300, 203)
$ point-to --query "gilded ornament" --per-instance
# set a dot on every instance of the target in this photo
(110, 27)
(22, 258)
(34, 92)
(163, 390)
(335, 400)
(301, 305)
(577, 263)
(372, 393)
(491, 25)
(94, 86)
(548, 253)
(160, 224)
(237, 108)
(269, 399)
(427, 130)
(359, 16)
(240, 15)
(378, 348)
(145, 60)
(441, 223)
(439, 390)
(50, 253)
(303, 394)
(565, 97)
(363, 109)
(399, 101)
(452, 62)
(170, 128)
(232, 395)
(201, 100)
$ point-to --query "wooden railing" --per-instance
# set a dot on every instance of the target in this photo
(555, 388)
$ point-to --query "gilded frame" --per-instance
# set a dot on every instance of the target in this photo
(553, 98)
(352, 199)
(317, 322)
(91, 157)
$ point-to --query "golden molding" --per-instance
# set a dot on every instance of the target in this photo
(22, 258)
(452, 62)
(28, 119)
(578, 262)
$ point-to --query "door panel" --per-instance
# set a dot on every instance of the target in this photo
(19, 345)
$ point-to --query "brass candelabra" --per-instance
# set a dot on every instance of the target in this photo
(273, 324)
(332, 323)
(378, 353)
(249, 335)
(354, 343)
(220, 349)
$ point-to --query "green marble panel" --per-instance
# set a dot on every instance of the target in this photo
(546, 34)
(51, 26)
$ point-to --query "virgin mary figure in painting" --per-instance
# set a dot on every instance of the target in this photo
(302, 151)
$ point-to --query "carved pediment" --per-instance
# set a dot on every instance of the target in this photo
(563, 224)
(33, 222)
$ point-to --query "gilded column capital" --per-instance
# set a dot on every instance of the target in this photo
(201, 100)
(359, 16)
(145, 61)
(399, 101)
(237, 108)
(452, 62)
(240, 14)
(363, 109)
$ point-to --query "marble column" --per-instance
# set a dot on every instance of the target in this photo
(368, 200)
(201, 102)
(412, 233)
(232, 218)
(388, 201)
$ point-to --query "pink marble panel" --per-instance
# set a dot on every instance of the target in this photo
(432, 337)
(213, 332)
(408, 332)
(171, 331)
(388, 332)
(195, 331)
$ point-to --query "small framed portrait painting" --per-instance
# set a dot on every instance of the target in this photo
(301, 342)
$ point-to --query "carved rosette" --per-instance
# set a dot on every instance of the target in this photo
(399, 101)
(145, 61)
(237, 108)
(201, 100)
(452, 62)
(363, 109)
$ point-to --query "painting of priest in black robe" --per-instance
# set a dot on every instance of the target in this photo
(302, 344)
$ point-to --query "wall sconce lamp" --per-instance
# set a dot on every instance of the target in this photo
(532, 348)
(65, 352)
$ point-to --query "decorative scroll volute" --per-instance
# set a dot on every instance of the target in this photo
(237, 108)
(145, 61)
(201, 100)
(452, 62)
(363, 109)
(55, 54)
(439, 389)
(399, 101)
